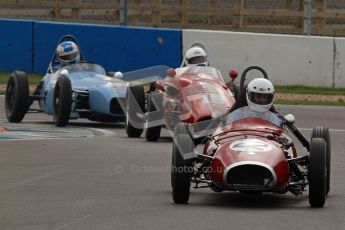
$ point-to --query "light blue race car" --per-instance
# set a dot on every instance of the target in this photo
(80, 90)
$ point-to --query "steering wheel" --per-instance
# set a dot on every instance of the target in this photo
(244, 74)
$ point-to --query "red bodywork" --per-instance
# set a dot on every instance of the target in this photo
(248, 157)
(194, 94)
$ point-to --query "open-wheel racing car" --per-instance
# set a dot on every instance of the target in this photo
(80, 90)
(192, 94)
(252, 155)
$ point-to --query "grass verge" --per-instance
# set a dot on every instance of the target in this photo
(307, 102)
(34, 79)
(310, 90)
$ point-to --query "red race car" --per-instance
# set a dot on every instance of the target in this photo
(252, 155)
(192, 94)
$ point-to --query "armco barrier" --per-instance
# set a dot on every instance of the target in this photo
(289, 60)
(113, 47)
(16, 45)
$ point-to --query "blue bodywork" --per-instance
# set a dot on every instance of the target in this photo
(91, 85)
(96, 94)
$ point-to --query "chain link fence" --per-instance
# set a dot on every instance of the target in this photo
(327, 17)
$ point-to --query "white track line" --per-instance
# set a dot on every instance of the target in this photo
(332, 130)
(105, 132)
(74, 221)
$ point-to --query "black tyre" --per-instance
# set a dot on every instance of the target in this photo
(215, 189)
(17, 97)
(180, 129)
(62, 101)
(317, 172)
(153, 132)
(135, 104)
(184, 128)
(181, 170)
(322, 132)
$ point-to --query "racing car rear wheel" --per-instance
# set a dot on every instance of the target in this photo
(181, 169)
(135, 107)
(317, 172)
(62, 101)
(322, 132)
(17, 97)
(154, 115)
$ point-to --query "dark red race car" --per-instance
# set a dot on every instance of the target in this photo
(193, 94)
(252, 155)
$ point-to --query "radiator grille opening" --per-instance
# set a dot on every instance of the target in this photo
(115, 107)
(250, 176)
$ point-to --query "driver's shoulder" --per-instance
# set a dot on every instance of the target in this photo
(244, 109)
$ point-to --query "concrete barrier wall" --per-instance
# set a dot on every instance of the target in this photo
(116, 48)
(339, 63)
(16, 45)
(29, 45)
(288, 60)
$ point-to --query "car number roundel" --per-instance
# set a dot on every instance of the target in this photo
(250, 145)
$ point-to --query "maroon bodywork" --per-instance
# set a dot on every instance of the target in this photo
(248, 157)
(249, 154)
(194, 94)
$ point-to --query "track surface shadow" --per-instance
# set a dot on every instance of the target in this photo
(244, 201)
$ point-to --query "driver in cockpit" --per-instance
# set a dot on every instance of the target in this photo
(196, 56)
(259, 96)
(68, 53)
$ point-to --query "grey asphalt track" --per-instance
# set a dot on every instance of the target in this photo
(108, 181)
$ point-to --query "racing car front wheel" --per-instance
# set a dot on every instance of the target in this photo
(322, 132)
(185, 128)
(181, 169)
(153, 115)
(62, 101)
(17, 97)
(135, 106)
(317, 172)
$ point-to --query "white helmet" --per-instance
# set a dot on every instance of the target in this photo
(260, 95)
(68, 53)
(196, 56)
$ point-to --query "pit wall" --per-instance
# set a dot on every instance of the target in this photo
(289, 60)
